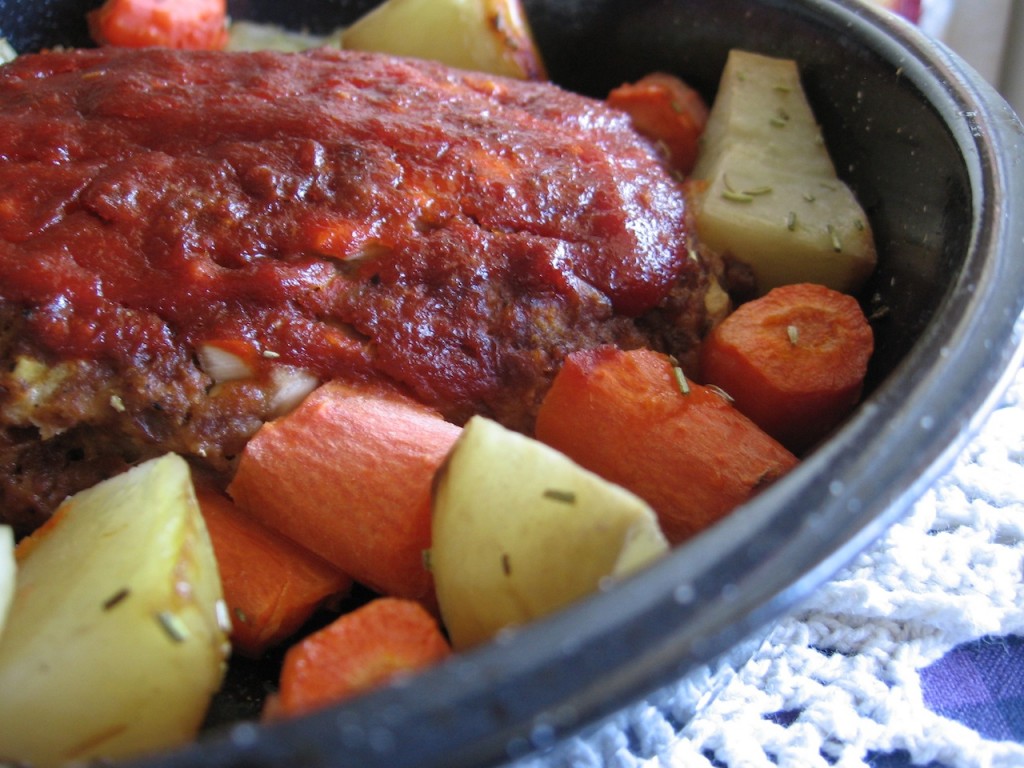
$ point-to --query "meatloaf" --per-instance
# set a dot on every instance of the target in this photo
(190, 241)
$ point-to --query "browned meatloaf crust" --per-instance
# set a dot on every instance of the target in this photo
(315, 216)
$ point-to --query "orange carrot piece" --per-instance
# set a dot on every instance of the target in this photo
(348, 475)
(664, 108)
(793, 360)
(632, 418)
(198, 24)
(272, 586)
(358, 652)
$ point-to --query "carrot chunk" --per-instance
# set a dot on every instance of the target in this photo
(348, 475)
(633, 418)
(664, 108)
(793, 360)
(357, 652)
(272, 586)
(197, 24)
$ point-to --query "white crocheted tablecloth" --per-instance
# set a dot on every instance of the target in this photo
(839, 681)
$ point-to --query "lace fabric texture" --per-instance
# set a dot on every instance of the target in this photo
(838, 681)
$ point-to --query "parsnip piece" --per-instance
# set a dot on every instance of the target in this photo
(519, 530)
(490, 36)
(8, 572)
(773, 198)
(114, 644)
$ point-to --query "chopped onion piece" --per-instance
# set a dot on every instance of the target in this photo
(291, 385)
(222, 365)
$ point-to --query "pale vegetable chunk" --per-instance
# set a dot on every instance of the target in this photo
(8, 572)
(115, 641)
(519, 530)
(7, 53)
(773, 198)
(490, 36)
(252, 36)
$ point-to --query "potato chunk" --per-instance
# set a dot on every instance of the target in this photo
(490, 36)
(113, 645)
(773, 198)
(7, 573)
(519, 530)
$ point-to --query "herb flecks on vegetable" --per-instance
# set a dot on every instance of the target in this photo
(561, 496)
(737, 197)
(780, 119)
(837, 244)
(780, 236)
(116, 598)
(745, 195)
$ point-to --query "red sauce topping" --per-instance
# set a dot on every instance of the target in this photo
(345, 213)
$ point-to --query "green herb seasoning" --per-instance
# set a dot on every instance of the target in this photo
(737, 197)
(681, 382)
(837, 244)
(563, 497)
(116, 598)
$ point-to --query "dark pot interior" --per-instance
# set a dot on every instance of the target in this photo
(937, 159)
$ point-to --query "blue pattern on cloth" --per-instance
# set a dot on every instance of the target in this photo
(980, 684)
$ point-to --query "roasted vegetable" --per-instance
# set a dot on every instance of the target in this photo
(200, 24)
(347, 475)
(490, 36)
(519, 531)
(272, 586)
(357, 652)
(117, 635)
(8, 572)
(793, 360)
(770, 195)
(633, 418)
(666, 109)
